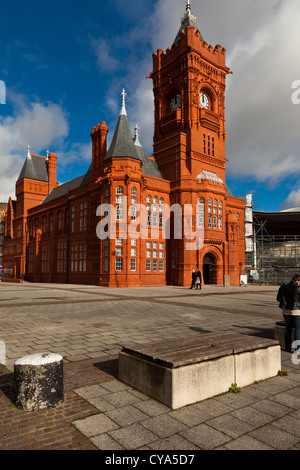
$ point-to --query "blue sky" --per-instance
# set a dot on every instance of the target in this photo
(65, 63)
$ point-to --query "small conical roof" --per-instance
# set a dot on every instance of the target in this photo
(122, 145)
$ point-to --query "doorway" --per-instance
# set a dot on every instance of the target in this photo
(208, 269)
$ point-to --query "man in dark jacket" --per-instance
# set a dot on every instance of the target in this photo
(194, 275)
(289, 301)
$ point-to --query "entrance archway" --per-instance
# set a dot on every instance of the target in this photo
(208, 269)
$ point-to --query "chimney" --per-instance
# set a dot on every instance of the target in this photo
(99, 136)
(52, 161)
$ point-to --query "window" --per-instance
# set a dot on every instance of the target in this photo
(149, 198)
(148, 265)
(155, 245)
(201, 200)
(133, 242)
(148, 218)
(31, 259)
(161, 201)
(208, 145)
(119, 241)
(161, 265)
(44, 225)
(73, 219)
(119, 212)
(210, 201)
(119, 264)
(209, 221)
(161, 219)
(120, 190)
(204, 143)
(149, 254)
(46, 258)
(119, 199)
(155, 200)
(133, 213)
(106, 264)
(155, 219)
(52, 221)
(133, 251)
(119, 251)
(161, 246)
(133, 200)
(215, 202)
(133, 264)
(83, 216)
(62, 257)
(149, 245)
(154, 253)
(215, 221)
(220, 204)
(213, 146)
(155, 265)
(220, 223)
(161, 254)
(60, 220)
(134, 191)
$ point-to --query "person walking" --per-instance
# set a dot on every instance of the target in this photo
(198, 279)
(194, 276)
(288, 297)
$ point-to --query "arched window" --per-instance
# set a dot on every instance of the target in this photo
(134, 191)
(220, 204)
(155, 200)
(215, 202)
(149, 198)
(120, 190)
(161, 201)
(201, 200)
(210, 201)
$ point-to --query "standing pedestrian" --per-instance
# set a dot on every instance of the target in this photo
(289, 301)
(194, 276)
(198, 279)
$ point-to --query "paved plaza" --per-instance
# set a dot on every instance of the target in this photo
(88, 326)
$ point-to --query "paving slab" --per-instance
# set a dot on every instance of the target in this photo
(89, 325)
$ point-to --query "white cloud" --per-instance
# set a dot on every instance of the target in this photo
(292, 201)
(40, 126)
(105, 60)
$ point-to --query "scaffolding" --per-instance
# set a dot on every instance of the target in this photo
(274, 258)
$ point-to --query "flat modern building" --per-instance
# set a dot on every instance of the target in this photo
(131, 218)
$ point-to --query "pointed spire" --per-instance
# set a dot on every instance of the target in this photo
(48, 153)
(123, 109)
(28, 153)
(188, 20)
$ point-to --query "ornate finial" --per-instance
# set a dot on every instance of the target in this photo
(123, 109)
(28, 152)
(48, 153)
(136, 135)
(188, 7)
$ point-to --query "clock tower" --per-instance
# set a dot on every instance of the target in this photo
(189, 81)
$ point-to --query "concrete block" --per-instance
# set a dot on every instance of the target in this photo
(257, 365)
(181, 372)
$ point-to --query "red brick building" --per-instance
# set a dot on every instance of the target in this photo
(52, 232)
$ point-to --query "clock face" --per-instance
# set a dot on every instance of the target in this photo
(175, 102)
(204, 100)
